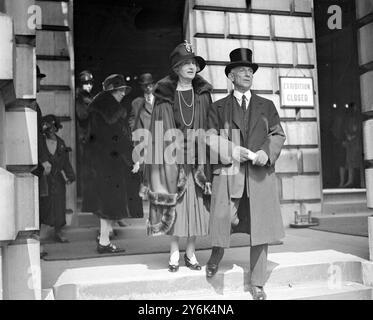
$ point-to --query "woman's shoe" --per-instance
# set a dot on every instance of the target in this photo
(195, 266)
(173, 267)
(110, 248)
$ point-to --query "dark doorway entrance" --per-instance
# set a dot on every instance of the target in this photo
(128, 37)
(339, 96)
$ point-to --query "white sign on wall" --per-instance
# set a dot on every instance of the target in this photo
(297, 92)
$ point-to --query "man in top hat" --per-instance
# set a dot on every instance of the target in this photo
(109, 143)
(140, 117)
(83, 98)
(245, 197)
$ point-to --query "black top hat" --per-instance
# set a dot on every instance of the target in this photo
(240, 57)
(146, 78)
(38, 73)
(85, 77)
(50, 120)
(114, 82)
(184, 51)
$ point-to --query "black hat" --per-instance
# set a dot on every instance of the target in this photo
(146, 78)
(116, 81)
(184, 51)
(85, 77)
(38, 73)
(240, 57)
(50, 120)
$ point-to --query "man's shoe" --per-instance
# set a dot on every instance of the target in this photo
(110, 248)
(43, 254)
(212, 265)
(211, 270)
(258, 293)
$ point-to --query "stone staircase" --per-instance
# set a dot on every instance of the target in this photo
(325, 274)
(345, 201)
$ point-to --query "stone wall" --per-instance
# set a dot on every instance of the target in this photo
(282, 37)
(19, 218)
(364, 15)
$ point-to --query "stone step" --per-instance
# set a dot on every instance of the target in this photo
(344, 195)
(47, 294)
(306, 291)
(135, 281)
(347, 207)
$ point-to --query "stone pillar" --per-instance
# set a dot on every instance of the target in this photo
(370, 228)
(20, 248)
(22, 269)
(364, 8)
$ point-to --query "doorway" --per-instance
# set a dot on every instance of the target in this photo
(339, 96)
(129, 37)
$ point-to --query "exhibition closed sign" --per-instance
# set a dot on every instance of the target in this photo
(296, 92)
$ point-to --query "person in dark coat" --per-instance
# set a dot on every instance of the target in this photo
(140, 117)
(53, 202)
(42, 165)
(244, 194)
(178, 190)
(83, 98)
(109, 144)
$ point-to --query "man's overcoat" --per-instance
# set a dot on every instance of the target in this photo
(260, 129)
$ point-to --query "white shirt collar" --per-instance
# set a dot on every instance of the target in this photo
(238, 95)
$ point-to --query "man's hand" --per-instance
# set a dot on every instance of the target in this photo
(261, 159)
(47, 167)
(240, 154)
(136, 167)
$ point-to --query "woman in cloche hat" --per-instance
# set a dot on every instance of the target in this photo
(177, 192)
(108, 144)
(60, 172)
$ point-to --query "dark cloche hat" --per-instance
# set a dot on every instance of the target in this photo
(116, 81)
(50, 120)
(240, 57)
(85, 77)
(184, 51)
(38, 73)
(146, 78)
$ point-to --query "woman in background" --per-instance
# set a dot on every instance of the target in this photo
(57, 175)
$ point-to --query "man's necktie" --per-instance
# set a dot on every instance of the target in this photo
(243, 104)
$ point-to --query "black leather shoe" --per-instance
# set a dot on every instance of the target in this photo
(211, 270)
(43, 254)
(191, 266)
(58, 237)
(173, 267)
(258, 293)
(110, 248)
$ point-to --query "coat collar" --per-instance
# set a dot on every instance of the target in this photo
(107, 107)
(165, 89)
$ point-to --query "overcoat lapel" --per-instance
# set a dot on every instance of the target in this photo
(255, 112)
(237, 115)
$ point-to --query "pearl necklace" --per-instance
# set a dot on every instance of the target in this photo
(189, 106)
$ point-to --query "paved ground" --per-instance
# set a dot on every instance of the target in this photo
(296, 240)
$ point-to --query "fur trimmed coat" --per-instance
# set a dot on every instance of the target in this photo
(167, 182)
(109, 149)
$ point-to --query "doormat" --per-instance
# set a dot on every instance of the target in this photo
(145, 245)
(350, 225)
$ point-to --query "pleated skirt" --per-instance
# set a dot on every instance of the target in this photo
(192, 214)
